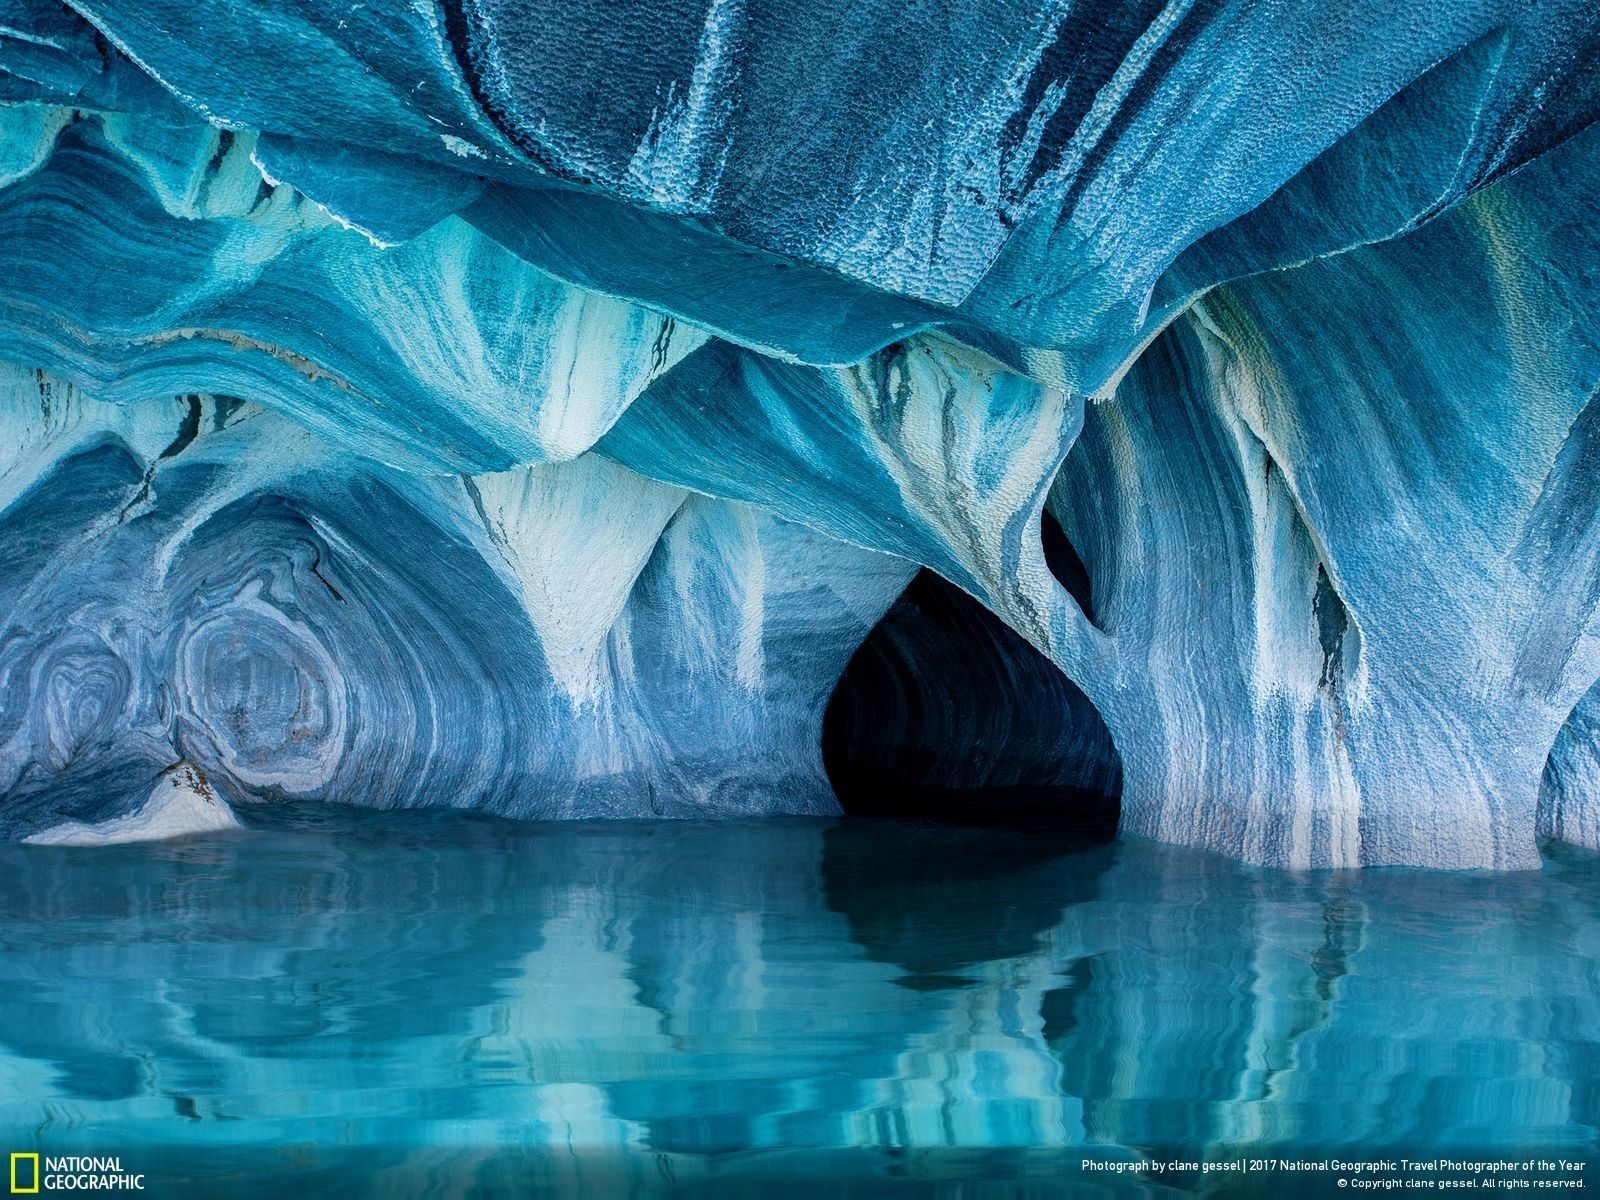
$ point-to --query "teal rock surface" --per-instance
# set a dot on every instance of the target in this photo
(683, 409)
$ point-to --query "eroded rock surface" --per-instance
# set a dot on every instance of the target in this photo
(534, 408)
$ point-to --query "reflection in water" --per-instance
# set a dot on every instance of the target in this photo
(391, 1004)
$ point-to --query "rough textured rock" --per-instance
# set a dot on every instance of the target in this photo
(204, 580)
(503, 406)
(180, 804)
(1569, 802)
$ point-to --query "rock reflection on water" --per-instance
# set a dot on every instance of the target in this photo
(393, 1004)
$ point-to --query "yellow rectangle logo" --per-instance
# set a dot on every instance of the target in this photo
(16, 1188)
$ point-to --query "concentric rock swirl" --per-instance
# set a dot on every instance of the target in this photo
(485, 404)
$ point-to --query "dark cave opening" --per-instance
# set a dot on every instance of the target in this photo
(1062, 559)
(946, 714)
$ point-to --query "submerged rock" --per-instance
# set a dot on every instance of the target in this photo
(490, 405)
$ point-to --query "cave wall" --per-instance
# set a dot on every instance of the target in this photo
(487, 405)
(205, 581)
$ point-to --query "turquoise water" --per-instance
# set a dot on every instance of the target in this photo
(340, 1002)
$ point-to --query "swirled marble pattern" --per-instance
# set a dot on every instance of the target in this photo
(296, 623)
(485, 404)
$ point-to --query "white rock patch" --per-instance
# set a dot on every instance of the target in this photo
(181, 803)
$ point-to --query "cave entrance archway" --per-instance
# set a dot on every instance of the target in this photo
(946, 714)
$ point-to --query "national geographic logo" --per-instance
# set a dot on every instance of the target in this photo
(31, 1174)
(24, 1174)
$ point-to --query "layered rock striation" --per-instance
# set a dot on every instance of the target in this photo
(536, 409)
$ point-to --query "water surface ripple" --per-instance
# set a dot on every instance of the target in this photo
(398, 1004)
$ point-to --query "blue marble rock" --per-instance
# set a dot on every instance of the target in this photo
(535, 408)
(205, 582)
